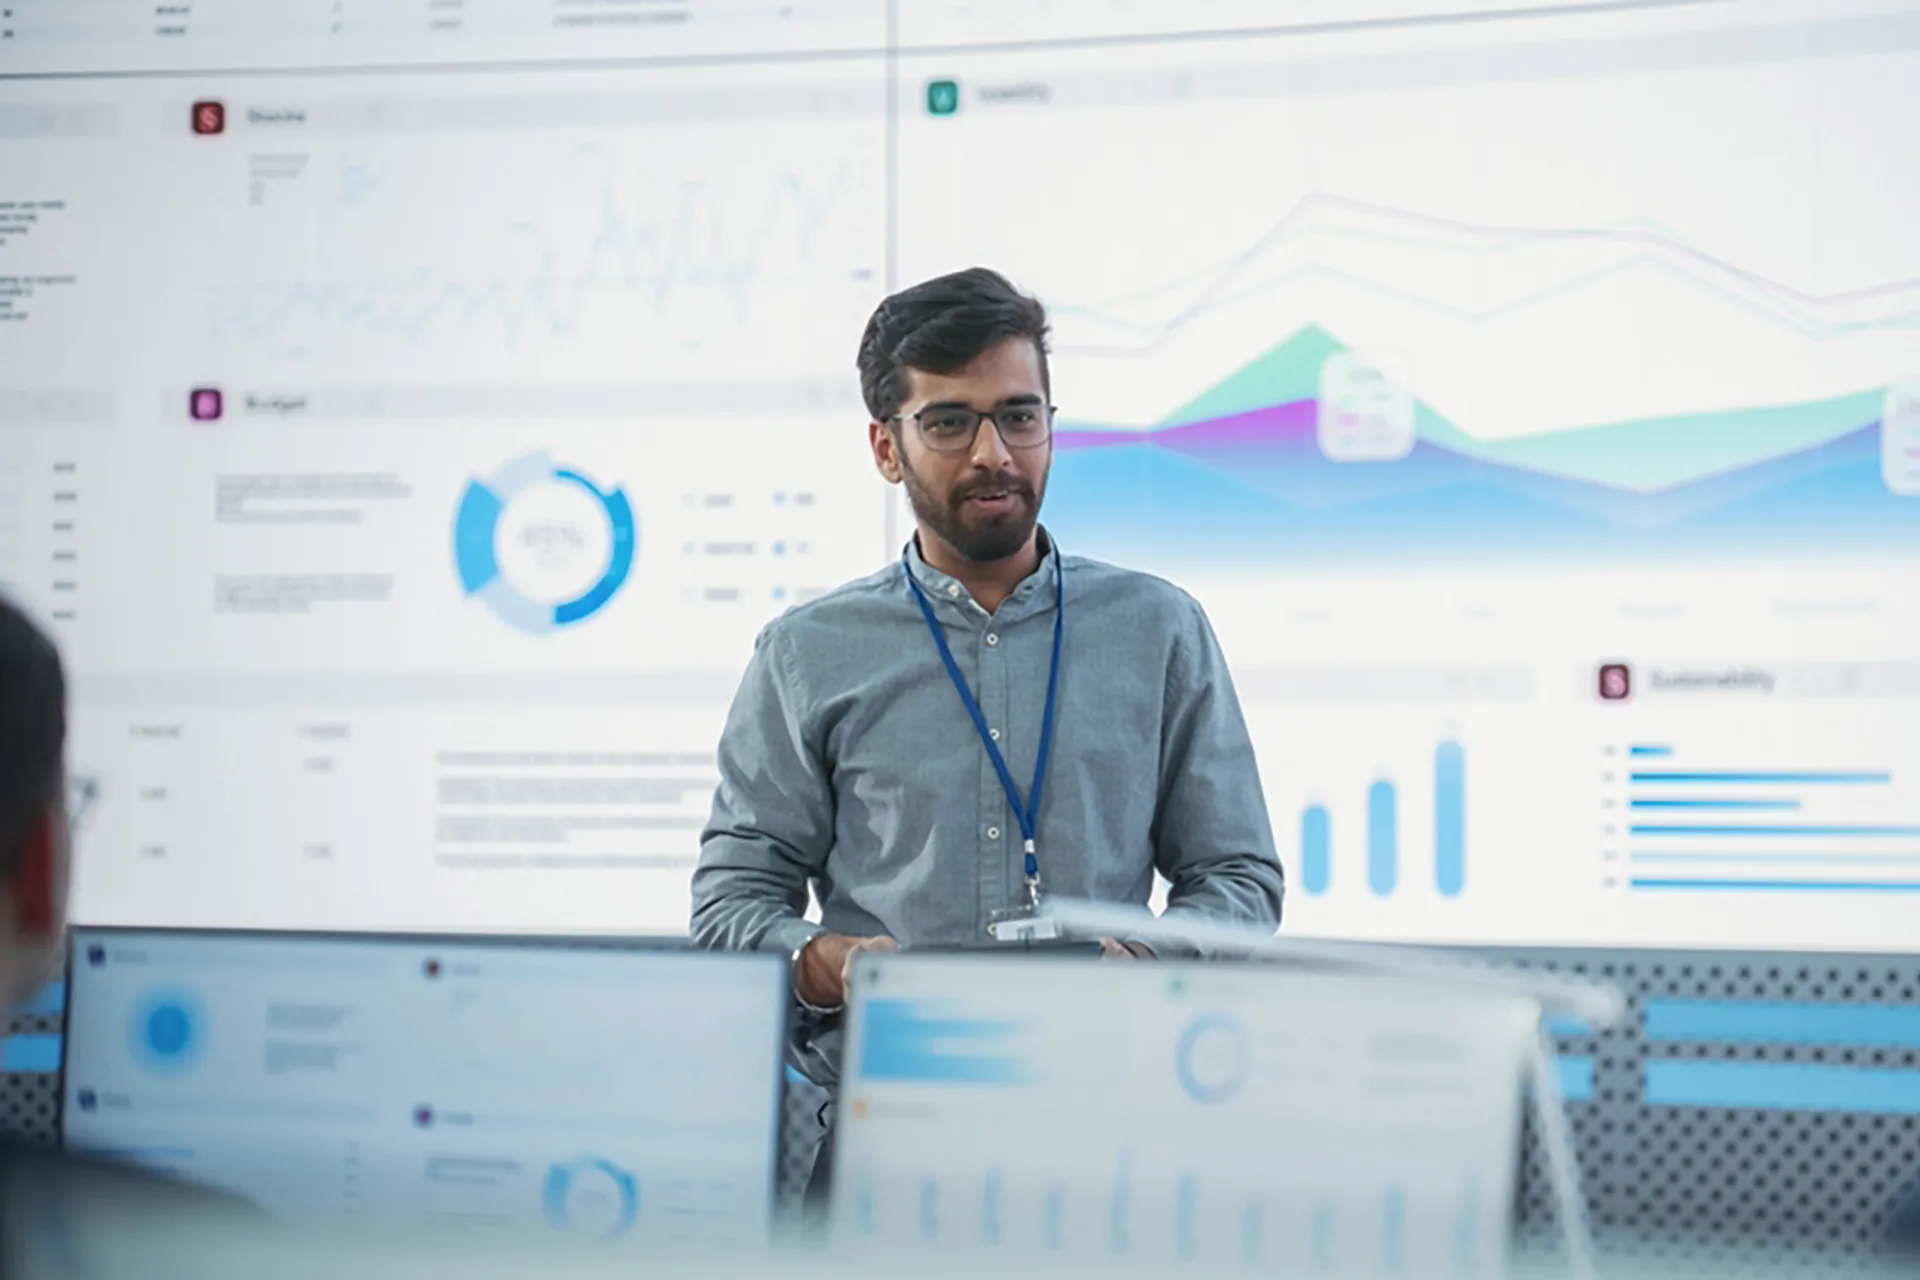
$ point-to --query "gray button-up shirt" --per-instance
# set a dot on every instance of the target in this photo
(849, 763)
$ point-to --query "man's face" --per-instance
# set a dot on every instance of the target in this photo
(982, 501)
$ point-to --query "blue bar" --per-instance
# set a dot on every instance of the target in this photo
(1816, 777)
(1051, 1214)
(1316, 858)
(1857, 859)
(1449, 819)
(1185, 1193)
(1465, 1227)
(1648, 752)
(1784, 1022)
(1569, 1028)
(1734, 830)
(30, 1055)
(990, 1209)
(929, 1209)
(1323, 1238)
(1250, 1234)
(1783, 886)
(1774, 806)
(1576, 1077)
(1393, 1231)
(46, 1002)
(1383, 838)
(1782, 1086)
(910, 1040)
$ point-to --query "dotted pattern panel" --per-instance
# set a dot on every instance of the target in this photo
(30, 1104)
(1709, 1183)
(1731, 1183)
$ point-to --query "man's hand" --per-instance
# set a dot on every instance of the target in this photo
(826, 967)
(1113, 949)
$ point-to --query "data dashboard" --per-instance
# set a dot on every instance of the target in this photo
(412, 413)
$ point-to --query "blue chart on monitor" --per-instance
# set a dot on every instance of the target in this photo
(1211, 1058)
(543, 545)
(167, 1033)
(591, 1197)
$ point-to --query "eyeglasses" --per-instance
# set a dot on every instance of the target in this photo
(953, 428)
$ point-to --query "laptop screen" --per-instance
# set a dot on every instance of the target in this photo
(1243, 1117)
(496, 1087)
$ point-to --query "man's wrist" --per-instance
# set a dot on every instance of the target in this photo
(801, 971)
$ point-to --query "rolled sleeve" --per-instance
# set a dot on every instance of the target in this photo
(1212, 838)
(771, 825)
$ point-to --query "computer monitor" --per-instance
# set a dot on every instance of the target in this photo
(582, 1092)
(1242, 1117)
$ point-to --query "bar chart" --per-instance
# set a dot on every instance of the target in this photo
(1722, 820)
(1384, 833)
(1187, 1216)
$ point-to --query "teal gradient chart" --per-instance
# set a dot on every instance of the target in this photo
(1258, 471)
(542, 545)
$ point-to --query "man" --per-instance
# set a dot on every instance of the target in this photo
(55, 1210)
(932, 748)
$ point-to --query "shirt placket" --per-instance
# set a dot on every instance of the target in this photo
(999, 830)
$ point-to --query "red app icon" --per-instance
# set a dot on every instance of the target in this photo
(1616, 682)
(206, 404)
(209, 118)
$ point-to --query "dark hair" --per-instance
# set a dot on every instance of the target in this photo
(939, 326)
(33, 729)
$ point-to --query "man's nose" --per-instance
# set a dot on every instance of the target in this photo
(990, 452)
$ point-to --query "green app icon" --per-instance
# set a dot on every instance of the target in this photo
(943, 97)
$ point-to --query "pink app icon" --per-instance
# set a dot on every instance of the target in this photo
(1616, 682)
(205, 404)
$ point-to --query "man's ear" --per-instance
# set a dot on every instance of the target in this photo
(35, 907)
(886, 451)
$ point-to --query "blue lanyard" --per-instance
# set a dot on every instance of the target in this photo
(1027, 813)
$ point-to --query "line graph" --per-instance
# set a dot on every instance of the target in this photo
(1639, 243)
(585, 259)
(693, 251)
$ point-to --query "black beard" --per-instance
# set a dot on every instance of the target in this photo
(996, 541)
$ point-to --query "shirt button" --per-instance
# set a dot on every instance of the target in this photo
(954, 591)
(993, 833)
(994, 734)
(992, 638)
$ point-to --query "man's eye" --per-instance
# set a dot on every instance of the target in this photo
(947, 423)
(1020, 417)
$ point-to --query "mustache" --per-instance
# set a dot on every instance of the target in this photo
(1006, 482)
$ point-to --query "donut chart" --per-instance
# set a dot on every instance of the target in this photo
(475, 545)
(591, 1197)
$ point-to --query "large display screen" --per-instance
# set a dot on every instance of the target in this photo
(412, 416)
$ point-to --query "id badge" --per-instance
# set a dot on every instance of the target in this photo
(1022, 924)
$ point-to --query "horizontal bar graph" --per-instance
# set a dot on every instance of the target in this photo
(1783, 1022)
(1701, 823)
(1382, 831)
(1731, 806)
(1729, 829)
(1781, 1086)
(1813, 778)
(1779, 886)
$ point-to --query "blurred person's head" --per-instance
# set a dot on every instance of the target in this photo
(34, 848)
(933, 358)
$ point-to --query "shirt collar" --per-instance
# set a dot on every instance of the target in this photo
(1033, 595)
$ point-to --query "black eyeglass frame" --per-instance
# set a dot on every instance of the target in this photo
(979, 417)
